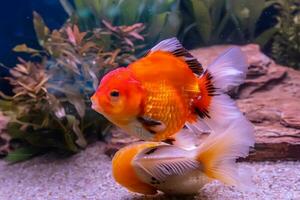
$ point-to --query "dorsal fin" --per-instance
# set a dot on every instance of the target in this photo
(173, 46)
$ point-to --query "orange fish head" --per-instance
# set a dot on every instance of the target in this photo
(118, 96)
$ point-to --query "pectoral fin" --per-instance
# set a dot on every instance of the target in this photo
(152, 125)
(138, 130)
(164, 161)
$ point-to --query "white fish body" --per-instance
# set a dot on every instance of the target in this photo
(175, 170)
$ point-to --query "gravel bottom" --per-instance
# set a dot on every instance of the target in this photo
(87, 175)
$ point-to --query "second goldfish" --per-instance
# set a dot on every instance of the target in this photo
(149, 167)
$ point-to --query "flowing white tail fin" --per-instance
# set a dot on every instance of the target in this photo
(229, 69)
(215, 108)
(219, 152)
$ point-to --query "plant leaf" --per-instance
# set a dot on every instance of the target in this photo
(74, 124)
(24, 48)
(156, 26)
(67, 7)
(14, 130)
(128, 11)
(76, 99)
(41, 30)
(265, 36)
(56, 106)
(171, 26)
(203, 20)
(22, 154)
(70, 143)
(216, 7)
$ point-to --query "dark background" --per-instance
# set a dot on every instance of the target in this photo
(16, 27)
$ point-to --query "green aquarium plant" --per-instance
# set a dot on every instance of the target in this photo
(161, 18)
(194, 22)
(50, 108)
(286, 44)
(224, 21)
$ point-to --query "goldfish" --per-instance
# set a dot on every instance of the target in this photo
(156, 96)
(148, 167)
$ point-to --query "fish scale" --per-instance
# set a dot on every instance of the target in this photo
(164, 103)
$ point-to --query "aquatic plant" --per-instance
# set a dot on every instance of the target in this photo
(50, 108)
(161, 18)
(4, 137)
(195, 22)
(286, 45)
(222, 21)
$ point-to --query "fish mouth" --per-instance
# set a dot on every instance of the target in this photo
(97, 108)
(94, 104)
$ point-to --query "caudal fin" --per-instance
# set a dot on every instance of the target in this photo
(229, 69)
(219, 152)
(215, 108)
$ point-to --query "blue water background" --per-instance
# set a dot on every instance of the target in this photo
(16, 26)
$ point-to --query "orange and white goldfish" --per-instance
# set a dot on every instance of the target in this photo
(149, 167)
(155, 96)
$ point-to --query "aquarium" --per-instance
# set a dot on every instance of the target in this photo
(164, 99)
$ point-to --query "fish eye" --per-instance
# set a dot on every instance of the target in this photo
(114, 93)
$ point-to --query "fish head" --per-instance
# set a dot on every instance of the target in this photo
(118, 96)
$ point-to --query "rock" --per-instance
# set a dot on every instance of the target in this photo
(262, 72)
(290, 117)
(270, 98)
(261, 83)
(258, 62)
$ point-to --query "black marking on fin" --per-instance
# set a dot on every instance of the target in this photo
(169, 141)
(173, 46)
(202, 112)
(211, 89)
(151, 131)
(192, 62)
(153, 126)
(154, 181)
(148, 121)
(151, 151)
